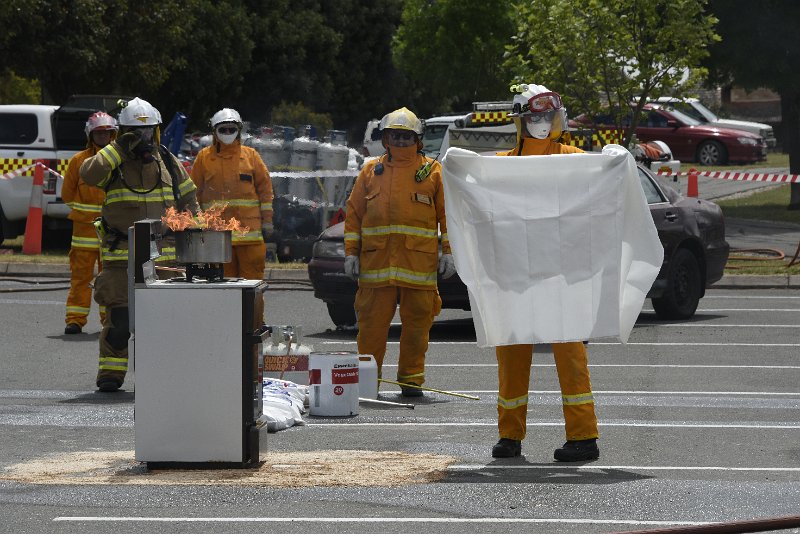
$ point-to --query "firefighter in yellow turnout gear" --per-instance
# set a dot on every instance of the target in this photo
(85, 202)
(394, 215)
(141, 181)
(541, 118)
(228, 173)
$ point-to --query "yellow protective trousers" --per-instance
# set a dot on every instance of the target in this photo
(83, 256)
(375, 307)
(514, 371)
(247, 261)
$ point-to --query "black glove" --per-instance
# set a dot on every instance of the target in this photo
(128, 142)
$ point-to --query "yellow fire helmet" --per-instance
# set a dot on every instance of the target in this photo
(402, 119)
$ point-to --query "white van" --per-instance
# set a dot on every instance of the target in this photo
(372, 145)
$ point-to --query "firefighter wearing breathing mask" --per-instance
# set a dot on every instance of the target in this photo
(541, 118)
(141, 180)
(84, 202)
(234, 175)
(394, 215)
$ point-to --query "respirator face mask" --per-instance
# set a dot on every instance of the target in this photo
(227, 133)
(146, 146)
(539, 124)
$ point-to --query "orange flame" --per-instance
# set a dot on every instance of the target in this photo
(210, 219)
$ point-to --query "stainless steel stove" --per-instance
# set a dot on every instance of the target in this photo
(198, 364)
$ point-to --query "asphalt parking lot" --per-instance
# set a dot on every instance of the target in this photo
(698, 420)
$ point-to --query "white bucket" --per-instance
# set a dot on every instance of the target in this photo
(333, 378)
(367, 376)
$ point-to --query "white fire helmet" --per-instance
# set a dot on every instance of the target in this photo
(139, 112)
(534, 104)
(226, 115)
(402, 119)
(100, 121)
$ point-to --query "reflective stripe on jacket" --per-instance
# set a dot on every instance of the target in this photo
(83, 199)
(135, 191)
(393, 223)
(235, 175)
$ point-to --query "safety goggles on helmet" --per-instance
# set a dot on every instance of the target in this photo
(541, 102)
(546, 116)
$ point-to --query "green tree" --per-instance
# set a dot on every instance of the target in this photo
(598, 53)
(211, 61)
(759, 48)
(298, 115)
(452, 52)
(17, 90)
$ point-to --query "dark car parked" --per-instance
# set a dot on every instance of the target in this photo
(692, 232)
(689, 139)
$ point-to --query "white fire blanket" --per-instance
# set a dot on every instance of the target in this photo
(552, 248)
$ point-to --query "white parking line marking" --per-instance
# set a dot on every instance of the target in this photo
(631, 343)
(594, 467)
(701, 311)
(650, 392)
(48, 302)
(593, 365)
(748, 297)
(560, 520)
(561, 425)
(715, 325)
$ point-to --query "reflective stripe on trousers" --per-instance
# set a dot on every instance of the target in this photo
(514, 371)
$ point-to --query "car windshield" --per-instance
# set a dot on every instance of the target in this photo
(683, 117)
(704, 111)
(432, 140)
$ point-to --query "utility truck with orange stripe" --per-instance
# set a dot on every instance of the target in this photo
(28, 133)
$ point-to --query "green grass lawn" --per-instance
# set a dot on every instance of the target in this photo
(769, 205)
(774, 160)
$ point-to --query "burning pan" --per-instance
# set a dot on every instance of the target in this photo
(203, 246)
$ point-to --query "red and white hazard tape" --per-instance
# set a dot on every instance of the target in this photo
(22, 170)
(743, 176)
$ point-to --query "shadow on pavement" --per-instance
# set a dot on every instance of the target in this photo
(97, 397)
(540, 473)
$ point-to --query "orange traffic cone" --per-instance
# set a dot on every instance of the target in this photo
(33, 226)
(691, 188)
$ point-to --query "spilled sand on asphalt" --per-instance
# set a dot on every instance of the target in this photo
(279, 470)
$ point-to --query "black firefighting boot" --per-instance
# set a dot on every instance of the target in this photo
(578, 451)
(72, 328)
(410, 392)
(108, 384)
(507, 448)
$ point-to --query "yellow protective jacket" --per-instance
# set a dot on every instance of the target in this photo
(235, 175)
(135, 191)
(540, 147)
(393, 221)
(84, 200)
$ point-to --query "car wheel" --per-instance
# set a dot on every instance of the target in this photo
(711, 153)
(342, 313)
(682, 295)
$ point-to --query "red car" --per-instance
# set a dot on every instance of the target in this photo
(689, 139)
(691, 230)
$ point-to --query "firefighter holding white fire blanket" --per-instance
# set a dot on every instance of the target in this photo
(553, 250)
